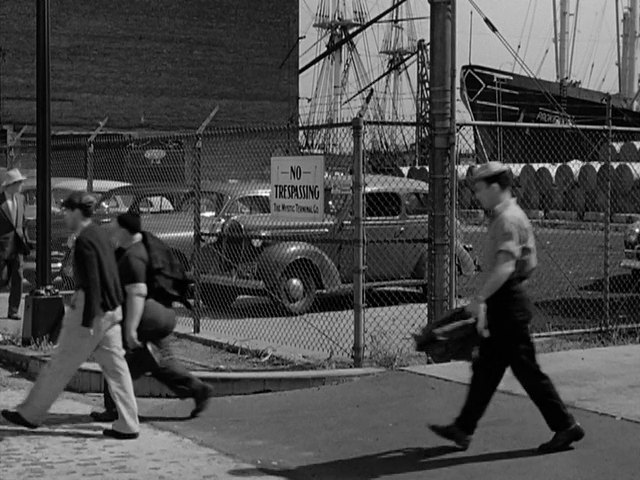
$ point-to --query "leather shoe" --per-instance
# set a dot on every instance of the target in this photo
(453, 433)
(17, 419)
(202, 400)
(109, 432)
(563, 439)
(104, 417)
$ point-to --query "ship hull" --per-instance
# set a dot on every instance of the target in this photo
(497, 96)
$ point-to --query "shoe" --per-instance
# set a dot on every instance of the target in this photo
(17, 419)
(202, 400)
(109, 432)
(104, 417)
(453, 433)
(562, 440)
(14, 316)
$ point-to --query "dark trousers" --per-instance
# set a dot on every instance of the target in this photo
(167, 371)
(509, 312)
(156, 325)
(15, 277)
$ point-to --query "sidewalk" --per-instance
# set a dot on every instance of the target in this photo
(71, 447)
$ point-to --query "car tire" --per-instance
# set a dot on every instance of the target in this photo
(297, 289)
(218, 297)
(635, 280)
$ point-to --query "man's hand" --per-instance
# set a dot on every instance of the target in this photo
(132, 340)
(478, 309)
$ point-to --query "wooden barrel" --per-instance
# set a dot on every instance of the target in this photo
(412, 173)
(574, 200)
(527, 175)
(612, 149)
(606, 171)
(588, 176)
(551, 199)
(422, 174)
(567, 174)
(626, 175)
(545, 176)
(630, 152)
(529, 198)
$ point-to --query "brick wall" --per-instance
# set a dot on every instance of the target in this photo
(154, 64)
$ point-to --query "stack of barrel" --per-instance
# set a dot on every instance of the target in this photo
(575, 186)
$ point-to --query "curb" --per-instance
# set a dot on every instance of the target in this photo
(88, 379)
(255, 347)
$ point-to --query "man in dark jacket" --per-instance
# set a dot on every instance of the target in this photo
(91, 325)
(148, 320)
(13, 241)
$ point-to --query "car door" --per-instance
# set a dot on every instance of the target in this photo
(414, 235)
(384, 227)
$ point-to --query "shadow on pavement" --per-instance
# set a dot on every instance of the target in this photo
(54, 419)
(144, 419)
(394, 462)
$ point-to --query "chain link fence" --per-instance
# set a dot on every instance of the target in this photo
(287, 283)
(579, 186)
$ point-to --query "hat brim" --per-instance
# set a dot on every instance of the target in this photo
(13, 182)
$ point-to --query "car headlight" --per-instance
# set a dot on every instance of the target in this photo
(257, 242)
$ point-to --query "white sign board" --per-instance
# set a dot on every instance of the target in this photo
(297, 187)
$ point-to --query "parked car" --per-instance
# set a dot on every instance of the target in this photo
(61, 187)
(631, 259)
(291, 261)
(168, 211)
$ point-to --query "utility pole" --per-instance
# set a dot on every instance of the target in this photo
(563, 41)
(442, 150)
(43, 121)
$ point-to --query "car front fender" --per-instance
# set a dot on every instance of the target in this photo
(275, 259)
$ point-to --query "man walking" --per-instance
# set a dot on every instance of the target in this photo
(148, 320)
(504, 311)
(13, 241)
(91, 325)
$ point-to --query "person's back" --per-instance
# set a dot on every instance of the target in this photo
(99, 277)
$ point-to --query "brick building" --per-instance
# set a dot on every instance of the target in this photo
(156, 65)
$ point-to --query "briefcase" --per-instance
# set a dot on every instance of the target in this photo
(453, 337)
(43, 314)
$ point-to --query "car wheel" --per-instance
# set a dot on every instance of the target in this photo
(297, 289)
(635, 280)
(218, 297)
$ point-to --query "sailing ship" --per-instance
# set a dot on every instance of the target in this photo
(492, 95)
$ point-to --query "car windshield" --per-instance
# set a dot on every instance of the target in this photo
(211, 203)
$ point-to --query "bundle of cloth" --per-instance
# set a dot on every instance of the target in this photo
(453, 337)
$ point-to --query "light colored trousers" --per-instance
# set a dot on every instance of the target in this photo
(75, 344)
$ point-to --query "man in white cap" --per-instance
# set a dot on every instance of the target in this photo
(504, 311)
(13, 240)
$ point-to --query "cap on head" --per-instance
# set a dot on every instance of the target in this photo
(83, 201)
(489, 169)
(12, 176)
(130, 222)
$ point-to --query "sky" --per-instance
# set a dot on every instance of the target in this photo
(526, 24)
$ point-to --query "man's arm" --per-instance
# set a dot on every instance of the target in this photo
(504, 268)
(136, 295)
(86, 263)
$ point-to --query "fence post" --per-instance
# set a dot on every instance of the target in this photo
(358, 251)
(88, 165)
(197, 230)
(88, 154)
(607, 220)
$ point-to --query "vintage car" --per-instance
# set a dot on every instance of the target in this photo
(168, 211)
(631, 259)
(61, 187)
(292, 261)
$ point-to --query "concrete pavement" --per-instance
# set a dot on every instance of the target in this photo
(71, 447)
(604, 380)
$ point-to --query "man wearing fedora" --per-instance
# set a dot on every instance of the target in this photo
(13, 240)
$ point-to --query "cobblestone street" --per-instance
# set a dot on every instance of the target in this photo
(69, 446)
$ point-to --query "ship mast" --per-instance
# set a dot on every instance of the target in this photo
(629, 70)
(563, 43)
